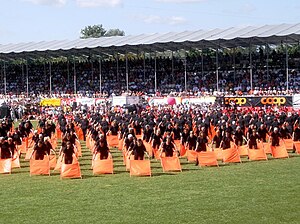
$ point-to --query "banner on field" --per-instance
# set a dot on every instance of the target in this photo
(123, 100)
(55, 102)
(164, 100)
(67, 101)
(296, 101)
(132, 100)
(236, 101)
(100, 101)
(198, 100)
(85, 101)
(156, 101)
(257, 101)
(272, 101)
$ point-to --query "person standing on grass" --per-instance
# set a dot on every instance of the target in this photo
(16, 136)
(138, 150)
(40, 150)
(226, 141)
(168, 147)
(202, 141)
(11, 146)
(68, 152)
(217, 139)
(296, 134)
(184, 136)
(147, 133)
(129, 143)
(101, 148)
(191, 141)
(156, 140)
(275, 137)
(262, 132)
(48, 146)
(239, 136)
(253, 139)
(5, 150)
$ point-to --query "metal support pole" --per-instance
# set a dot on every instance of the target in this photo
(92, 68)
(217, 68)
(100, 76)
(287, 66)
(251, 75)
(45, 71)
(155, 78)
(117, 58)
(50, 78)
(68, 71)
(234, 66)
(185, 73)
(23, 78)
(144, 61)
(172, 66)
(27, 80)
(267, 51)
(75, 78)
(202, 64)
(126, 68)
(4, 73)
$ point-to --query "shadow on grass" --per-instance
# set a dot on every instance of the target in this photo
(190, 169)
(86, 168)
(16, 171)
(120, 171)
(55, 173)
(89, 176)
(246, 161)
(85, 159)
(165, 174)
(294, 155)
(119, 165)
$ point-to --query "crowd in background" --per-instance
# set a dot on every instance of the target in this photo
(233, 76)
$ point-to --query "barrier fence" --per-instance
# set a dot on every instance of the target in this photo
(258, 101)
(240, 101)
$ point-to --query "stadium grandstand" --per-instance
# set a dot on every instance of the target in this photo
(220, 61)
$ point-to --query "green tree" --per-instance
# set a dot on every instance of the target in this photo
(114, 32)
(94, 31)
(97, 31)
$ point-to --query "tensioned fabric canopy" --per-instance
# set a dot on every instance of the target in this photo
(159, 42)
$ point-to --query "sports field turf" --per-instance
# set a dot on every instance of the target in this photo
(251, 192)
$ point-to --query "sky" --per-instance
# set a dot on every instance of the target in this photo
(46, 20)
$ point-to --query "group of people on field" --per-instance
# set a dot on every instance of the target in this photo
(196, 128)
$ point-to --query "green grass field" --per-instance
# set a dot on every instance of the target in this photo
(251, 192)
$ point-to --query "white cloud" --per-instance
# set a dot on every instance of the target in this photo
(180, 1)
(155, 19)
(241, 10)
(175, 20)
(48, 2)
(98, 3)
(79, 3)
(248, 8)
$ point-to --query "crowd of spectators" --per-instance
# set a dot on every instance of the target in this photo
(233, 76)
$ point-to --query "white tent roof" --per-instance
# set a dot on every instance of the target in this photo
(229, 37)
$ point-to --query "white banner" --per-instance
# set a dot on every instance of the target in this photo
(180, 100)
(199, 100)
(85, 101)
(119, 100)
(122, 100)
(296, 101)
(132, 100)
(100, 100)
